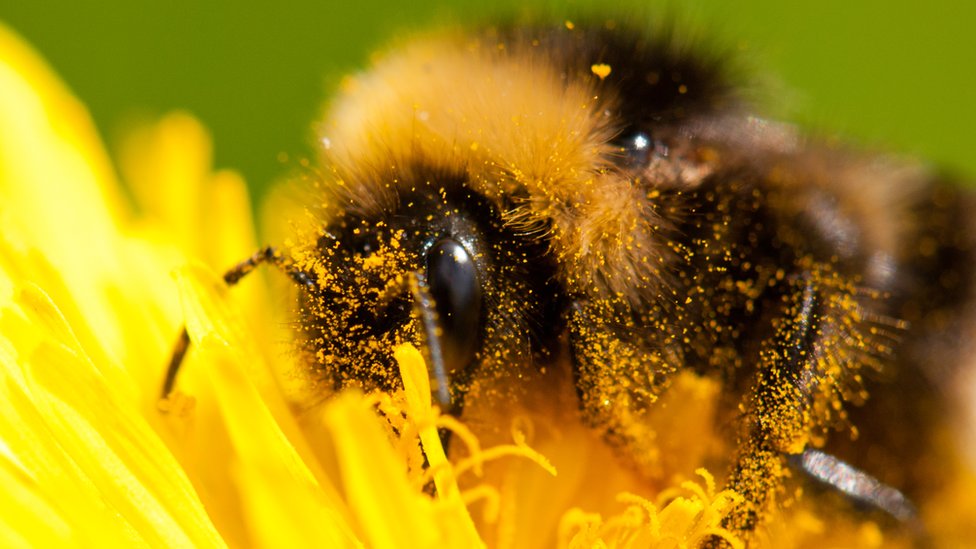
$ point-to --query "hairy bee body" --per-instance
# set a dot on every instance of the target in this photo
(607, 196)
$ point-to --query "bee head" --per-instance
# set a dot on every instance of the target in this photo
(435, 269)
(503, 178)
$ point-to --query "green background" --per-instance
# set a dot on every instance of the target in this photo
(888, 75)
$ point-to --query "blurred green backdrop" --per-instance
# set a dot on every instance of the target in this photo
(892, 74)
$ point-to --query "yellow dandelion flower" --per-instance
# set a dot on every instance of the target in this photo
(94, 287)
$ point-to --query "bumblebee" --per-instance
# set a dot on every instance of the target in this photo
(598, 197)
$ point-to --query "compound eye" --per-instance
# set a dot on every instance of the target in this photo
(452, 277)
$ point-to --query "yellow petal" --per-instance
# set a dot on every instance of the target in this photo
(417, 390)
(60, 217)
(107, 471)
(389, 511)
(281, 496)
(28, 519)
(70, 375)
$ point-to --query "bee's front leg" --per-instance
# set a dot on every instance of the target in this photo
(618, 375)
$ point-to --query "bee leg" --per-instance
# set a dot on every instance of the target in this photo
(786, 376)
(817, 341)
(175, 361)
(616, 377)
(265, 255)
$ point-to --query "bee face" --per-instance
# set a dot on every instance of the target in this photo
(437, 268)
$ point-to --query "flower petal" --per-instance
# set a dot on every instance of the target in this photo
(280, 495)
(390, 512)
(91, 455)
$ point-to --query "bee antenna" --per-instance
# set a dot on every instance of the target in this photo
(268, 255)
(423, 306)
